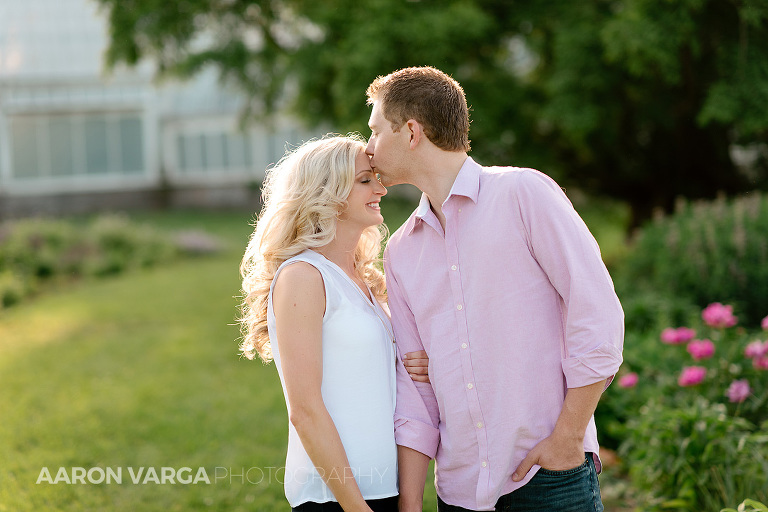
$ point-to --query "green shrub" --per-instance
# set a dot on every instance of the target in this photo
(648, 311)
(700, 438)
(34, 247)
(748, 506)
(12, 288)
(706, 251)
(122, 245)
(34, 251)
(695, 456)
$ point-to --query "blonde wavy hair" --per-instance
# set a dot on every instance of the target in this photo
(301, 197)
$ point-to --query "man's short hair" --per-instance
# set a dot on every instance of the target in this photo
(429, 96)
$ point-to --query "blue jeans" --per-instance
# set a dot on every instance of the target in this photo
(573, 490)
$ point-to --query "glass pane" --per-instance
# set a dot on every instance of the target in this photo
(24, 144)
(181, 153)
(131, 145)
(199, 141)
(77, 123)
(60, 137)
(247, 150)
(236, 150)
(213, 151)
(192, 152)
(96, 158)
(276, 147)
(225, 150)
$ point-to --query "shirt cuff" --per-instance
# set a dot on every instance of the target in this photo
(417, 436)
(600, 364)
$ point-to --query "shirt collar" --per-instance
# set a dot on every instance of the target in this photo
(467, 184)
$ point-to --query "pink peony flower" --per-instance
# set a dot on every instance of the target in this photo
(756, 349)
(669, 335)
(764, 323)
(701, 349)
(692, 375)
(717, 315)
(761, 363)
(629, 380)
(672, 336)
(739, 390)
(685, 334)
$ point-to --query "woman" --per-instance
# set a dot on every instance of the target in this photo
(313, 301)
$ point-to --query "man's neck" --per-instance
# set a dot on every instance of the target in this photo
(436, 179)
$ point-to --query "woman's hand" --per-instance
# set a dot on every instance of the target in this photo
(417, 363)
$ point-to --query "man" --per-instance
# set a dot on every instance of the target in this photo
(498, 279)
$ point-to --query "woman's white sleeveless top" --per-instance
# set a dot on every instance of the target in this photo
(358, 389)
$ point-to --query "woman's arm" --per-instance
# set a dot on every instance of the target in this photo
(416, 363)
(298, 300)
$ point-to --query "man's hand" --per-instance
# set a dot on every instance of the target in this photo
(416, 363)
(564, 448)
(555, 453)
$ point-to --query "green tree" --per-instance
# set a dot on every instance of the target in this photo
(641, 100)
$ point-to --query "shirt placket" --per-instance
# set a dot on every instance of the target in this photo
(454, 219)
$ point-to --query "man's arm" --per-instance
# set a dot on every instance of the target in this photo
(564, 448)
(594, 320)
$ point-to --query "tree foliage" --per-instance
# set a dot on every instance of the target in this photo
(642, 100)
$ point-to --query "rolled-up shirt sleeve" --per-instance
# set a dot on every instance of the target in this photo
(416, 410)
(568, 253)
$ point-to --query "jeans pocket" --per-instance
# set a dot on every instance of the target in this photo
(566, 472)
(572, 490)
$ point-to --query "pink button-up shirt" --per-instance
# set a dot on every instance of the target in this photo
(514, 305)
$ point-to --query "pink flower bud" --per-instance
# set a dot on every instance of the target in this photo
(701, 349)
(739, 391)
(692, 375)
(629, 380)
(672, 336)
(764, 324)
(718, 315)
(761, 363)
(756, 349)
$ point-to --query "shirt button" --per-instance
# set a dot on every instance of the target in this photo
(483, 463)
(470, 386)
(459, 307)
(454, 267)
(479, 424)
(463, 345)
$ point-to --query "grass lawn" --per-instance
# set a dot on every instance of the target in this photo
(138, 371)
(142, 370)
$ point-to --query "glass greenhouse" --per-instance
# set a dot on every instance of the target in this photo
(70, 135)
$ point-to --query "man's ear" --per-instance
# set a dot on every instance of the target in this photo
(415, 132)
